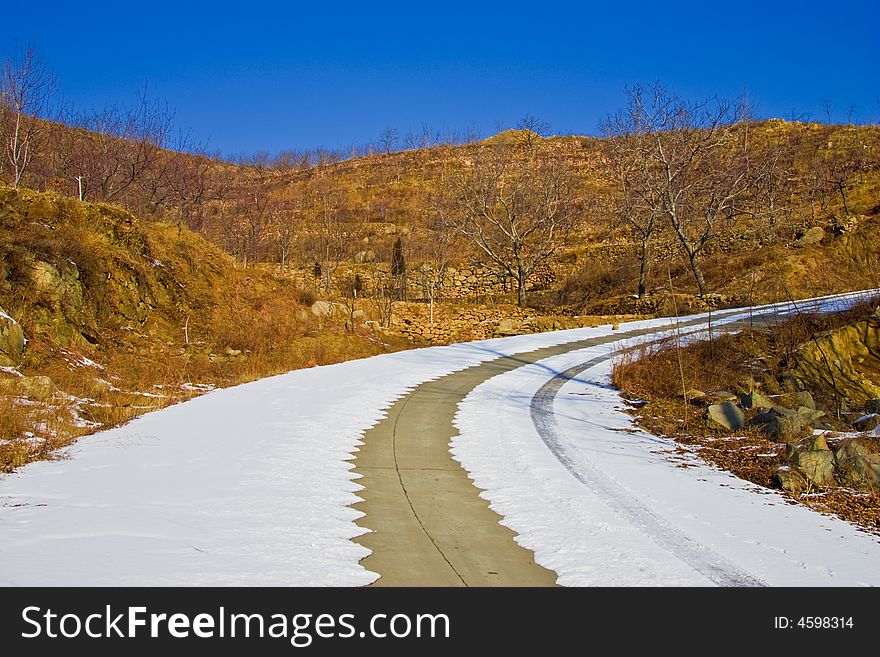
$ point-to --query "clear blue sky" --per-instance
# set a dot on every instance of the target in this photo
(250, 76)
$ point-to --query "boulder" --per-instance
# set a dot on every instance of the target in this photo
(727, 415)
(816, 444)
(803, 398)
(323, 308)
(509, 327)
(813, 236)
(857, 466)
(791, 480)
(816, 464)
(12, 341)
(755, 399)
(693, 394)
(867, 422)
(781, 424)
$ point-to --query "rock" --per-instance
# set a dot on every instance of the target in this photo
(323, 308)
(358, 315)
(816, 444)
(867, 422)
(229, 351)
(693, 394)
(726, 415)
(803, 398)
(365, 256)
(721, 396)
(509, 327)
(847, 355)
(872, 406)
(780, 424)
(857, 466)
(817, 465)
(12, 341)
(813, 236)
(38, 387)
(615, 327)
(791, 480)
(302, 316)
(372, 324)
(755, 399)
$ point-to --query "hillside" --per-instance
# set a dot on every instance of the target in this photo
(105, 317)
(804, 227)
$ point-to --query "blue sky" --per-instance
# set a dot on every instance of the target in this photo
(269, 76)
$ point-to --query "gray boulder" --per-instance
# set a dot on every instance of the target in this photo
(727, 415)
(817, 465)
(857, 466)
(755, 399)
(784, 424)
(323, 308)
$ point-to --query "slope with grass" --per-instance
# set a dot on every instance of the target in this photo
(121, 317)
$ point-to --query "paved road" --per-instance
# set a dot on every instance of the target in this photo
(429, 525)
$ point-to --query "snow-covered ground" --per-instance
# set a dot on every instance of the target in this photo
(252, 485)
(602, 503)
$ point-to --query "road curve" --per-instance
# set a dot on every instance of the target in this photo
(428, 524)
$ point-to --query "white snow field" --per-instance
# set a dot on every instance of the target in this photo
(252, 485)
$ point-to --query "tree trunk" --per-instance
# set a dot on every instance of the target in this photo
(644, 266)
(520, 285)
(698, 274)
(842, 188)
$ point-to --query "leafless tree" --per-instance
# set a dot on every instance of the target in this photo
(691, 164)
(433, 255)
(388, 140)
(123, 144)
(516, 208)
(26, 88)
(331, 236)
(532, 129)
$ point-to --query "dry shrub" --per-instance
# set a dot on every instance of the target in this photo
(597, 279)
(654, 371)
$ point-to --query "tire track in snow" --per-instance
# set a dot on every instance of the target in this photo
(699, 557)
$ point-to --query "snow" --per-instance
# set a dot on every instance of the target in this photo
(252, 485)
(621, 519)
(248, 485)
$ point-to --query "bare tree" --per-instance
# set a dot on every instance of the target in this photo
(388, 140)
(689, 163)
(331, 236)
(26, 87)
(433, 256)
(123, 145)
(532, 129)
(516, 208)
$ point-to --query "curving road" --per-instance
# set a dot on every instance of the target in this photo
(428, 524)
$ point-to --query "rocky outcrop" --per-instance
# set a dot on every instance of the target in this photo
(845, 362)
(12, 340)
